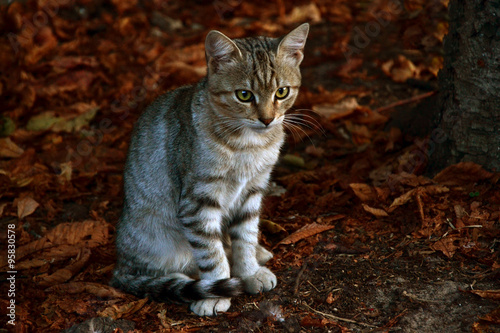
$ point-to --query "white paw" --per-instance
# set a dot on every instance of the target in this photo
(262, 280)
(210, 306)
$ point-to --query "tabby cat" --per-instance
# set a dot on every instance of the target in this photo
(198, 165)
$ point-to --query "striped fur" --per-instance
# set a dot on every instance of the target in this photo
(198, 166)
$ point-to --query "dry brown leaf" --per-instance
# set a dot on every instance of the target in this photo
(491, 294)
(82, 234)
(97, 289)
(375, 211)
(401, 200)
(462, 174)
(305, 232)
(434, 189)
(446, 245)
(400, 69)
(363, 191)
(271, 227)
(304, 13)
(340, 110)
(66, 273)
(51, 255)
(116, 312)
(492, 317)
(9, 149)
(26, 206)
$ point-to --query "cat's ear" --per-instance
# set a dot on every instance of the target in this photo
(292, 45)
(220, 50)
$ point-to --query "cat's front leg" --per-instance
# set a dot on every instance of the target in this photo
(202, 221)
(244, 232)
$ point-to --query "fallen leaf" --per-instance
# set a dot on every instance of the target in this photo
(26, 206)
(50, 120)
(299, 14)
(490, 294)
(116, 312)
(434, 189)
(9, 149)
(83, 234)
(340, 110)
(400, 69)
(363, 191)
(462, 174)
(53, 254)
(446, 245)
(271, 227)
(97, 289)
(293, 160)
(66, 273)
(492, 317)
(7, 125)
(71, 81)
(375, 211)
(401, 200)
(305, 232)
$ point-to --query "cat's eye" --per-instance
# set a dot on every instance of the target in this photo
(282, 92)
(244, 95)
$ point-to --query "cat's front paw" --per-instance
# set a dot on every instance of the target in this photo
(210, 306)
(262, 280)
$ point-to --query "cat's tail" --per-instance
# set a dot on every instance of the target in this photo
(176, 287)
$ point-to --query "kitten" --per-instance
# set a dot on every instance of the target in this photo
(198, 165)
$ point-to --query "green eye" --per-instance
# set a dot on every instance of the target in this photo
(282, 92)
(244, 95)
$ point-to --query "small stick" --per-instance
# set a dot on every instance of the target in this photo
(416, 298)
(406, 101)
(312, 285)
(420, 207)
(297, 280)
(327, 315)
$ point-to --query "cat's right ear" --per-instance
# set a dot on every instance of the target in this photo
(292, 45)
(220, 50)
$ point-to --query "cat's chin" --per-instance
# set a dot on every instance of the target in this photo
(258, 128)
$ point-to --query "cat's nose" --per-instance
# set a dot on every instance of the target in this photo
(266, 121)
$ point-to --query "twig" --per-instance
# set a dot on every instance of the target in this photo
(327, 315)
(416, 298)
(464, 227)
(394, 320)
(312, 285)
(420, 207)
(297, 280)
(405, 101)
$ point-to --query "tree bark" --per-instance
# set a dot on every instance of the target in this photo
(469, 120)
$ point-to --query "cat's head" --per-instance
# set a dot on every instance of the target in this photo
(254, 81)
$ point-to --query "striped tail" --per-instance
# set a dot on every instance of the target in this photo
(176, 287)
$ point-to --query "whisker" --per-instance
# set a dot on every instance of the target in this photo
(307, 124)
(311, 120)
(291, 124)
(292, 130)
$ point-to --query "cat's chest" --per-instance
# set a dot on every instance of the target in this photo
(245, 165)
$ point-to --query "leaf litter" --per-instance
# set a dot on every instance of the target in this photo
(366, 238)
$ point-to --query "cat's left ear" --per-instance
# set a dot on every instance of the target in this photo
(220, 50)
(292, 45)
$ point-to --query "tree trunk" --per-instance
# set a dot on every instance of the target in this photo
(469, 120)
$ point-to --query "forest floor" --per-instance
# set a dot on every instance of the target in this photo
(363, 239)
